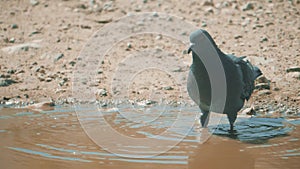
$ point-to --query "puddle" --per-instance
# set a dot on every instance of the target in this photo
(30, 139)
(255, 130)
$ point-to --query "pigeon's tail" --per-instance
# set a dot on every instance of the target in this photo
(257, 72)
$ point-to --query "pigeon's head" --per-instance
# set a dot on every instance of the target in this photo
(199, 36)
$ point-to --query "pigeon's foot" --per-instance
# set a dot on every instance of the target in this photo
(231, 126)
(232, 131)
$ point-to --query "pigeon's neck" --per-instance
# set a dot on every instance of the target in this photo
(197, 65)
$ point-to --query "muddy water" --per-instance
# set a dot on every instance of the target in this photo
(56, 139)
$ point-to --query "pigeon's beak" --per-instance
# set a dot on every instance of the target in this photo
(190, 48)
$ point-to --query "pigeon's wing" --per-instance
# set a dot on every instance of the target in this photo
(248, 76)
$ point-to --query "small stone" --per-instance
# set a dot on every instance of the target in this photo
(158, 37)
(155, 14)
(23, 89)
(209, 10)
(11, 71)
(264, 92)
(41, 79)
(129, 46)
(249, 111)
(104, 21)
(85, 27)
(101, 92)
(48, 79)
(248, 6)
(203, 24)
(179, 69)
(21, 47)
(269, 23)
(257, 26)
(184, 33)
(34, 32)
(208, 3)
(99, 71)
(293, 69)
(264, 39)
(14, 26)
(263, 79)
(170, 19)
(34, 2)
(72, 63)
(11, 40)
(262, 86)
(58, 56)
(108, 6)
(26, 96)
(6, 82)
(185, 52)
(295, 75)
(238, 36)
(169, 88)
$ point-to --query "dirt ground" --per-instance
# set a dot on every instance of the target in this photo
(40, 41)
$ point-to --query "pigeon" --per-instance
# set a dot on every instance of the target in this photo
(239, 78)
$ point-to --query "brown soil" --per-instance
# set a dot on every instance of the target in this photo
(265, 31)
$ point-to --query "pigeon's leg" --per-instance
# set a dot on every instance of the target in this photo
(231, 117)
(204, 118)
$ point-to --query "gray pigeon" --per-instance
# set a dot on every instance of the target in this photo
(239, 78)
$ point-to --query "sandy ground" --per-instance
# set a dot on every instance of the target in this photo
(41, 40)
(55, 32)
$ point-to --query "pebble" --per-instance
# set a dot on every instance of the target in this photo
(6, 82)
(293, 69)
(11, 71)
(26, 96)
(72, 63)
(249, 111)
(43, 106)
(158, 37)
(41, 78)
(14, 26)
(155, 14)
(295, 75)
(58, 56)
(101, 92)
(248, 6)
(34, 32)
(264, 39)
(169, 88)
(104, 21)
(170, 19)
(209, 10)
(208, 3)
(262, 86)
(238, 36)
(11, 40)
(262, 79)
(264, 92)
(34, 2)
(48, 79)
(108, 6)
(21, 47)
(129, 45)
